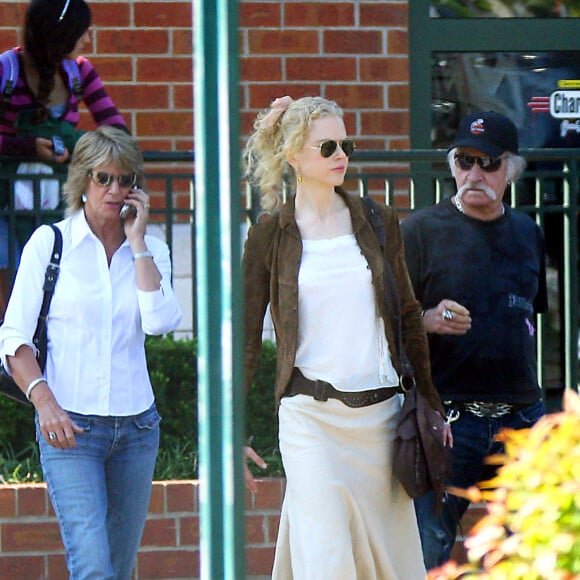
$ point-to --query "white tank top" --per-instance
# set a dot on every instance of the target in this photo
(341, 338)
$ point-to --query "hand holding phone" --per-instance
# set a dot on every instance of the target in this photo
(58, 146)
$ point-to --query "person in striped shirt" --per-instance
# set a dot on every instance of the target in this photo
(53, 33)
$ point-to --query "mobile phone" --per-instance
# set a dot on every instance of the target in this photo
(58, 146)
(127, 209)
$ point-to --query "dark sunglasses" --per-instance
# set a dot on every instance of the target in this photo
(104, 179)
(327, 148)
(487, 163)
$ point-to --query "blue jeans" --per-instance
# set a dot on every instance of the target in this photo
(473, 440)
(100, 491)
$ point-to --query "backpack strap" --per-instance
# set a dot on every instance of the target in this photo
(9, 62)
(10, 69)
(71, 68)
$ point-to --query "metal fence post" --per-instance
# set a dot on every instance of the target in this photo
(217, 203)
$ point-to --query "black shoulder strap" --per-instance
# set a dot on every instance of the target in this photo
(391, 293)
(50, 277)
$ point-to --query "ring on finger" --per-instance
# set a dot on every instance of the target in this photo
(52, 435)
(447, 314)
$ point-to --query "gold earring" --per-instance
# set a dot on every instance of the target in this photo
(299, 178)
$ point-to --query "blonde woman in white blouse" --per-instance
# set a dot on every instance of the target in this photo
(97, 425)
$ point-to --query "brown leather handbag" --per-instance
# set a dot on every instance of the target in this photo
(419, 453)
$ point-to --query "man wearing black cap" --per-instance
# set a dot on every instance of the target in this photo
(478, 268)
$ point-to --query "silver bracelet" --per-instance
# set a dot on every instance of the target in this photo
(138, 255)
(33, 384)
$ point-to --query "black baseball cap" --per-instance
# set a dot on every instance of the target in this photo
(488, 132)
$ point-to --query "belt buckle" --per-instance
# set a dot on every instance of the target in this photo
(320, 393)
(488, 410)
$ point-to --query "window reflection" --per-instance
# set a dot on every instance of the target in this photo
(505, 9)
(539, 91)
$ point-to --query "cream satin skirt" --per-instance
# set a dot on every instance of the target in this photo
(344, 516)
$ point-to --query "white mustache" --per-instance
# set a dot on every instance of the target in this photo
(481, 186)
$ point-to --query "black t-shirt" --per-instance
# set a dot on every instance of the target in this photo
(497, 271)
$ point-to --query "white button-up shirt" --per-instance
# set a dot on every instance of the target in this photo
(97, 319)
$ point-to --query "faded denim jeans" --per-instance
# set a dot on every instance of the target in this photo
(100, 491)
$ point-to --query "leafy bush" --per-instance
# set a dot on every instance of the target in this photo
(16, 426)
(172, 367)
(173, 372)
(532, 527)
(22, 467)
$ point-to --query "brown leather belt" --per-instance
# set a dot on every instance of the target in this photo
(322, 391)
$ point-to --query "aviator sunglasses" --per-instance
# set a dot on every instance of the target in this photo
(488, 164)
(327, 148)
(104, 179)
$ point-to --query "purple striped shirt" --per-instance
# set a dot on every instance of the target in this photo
(95, 97)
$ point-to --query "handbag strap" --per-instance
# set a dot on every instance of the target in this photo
(391, 293)
(50, 277)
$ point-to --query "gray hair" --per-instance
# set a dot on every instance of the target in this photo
(104, 146)
(269, 147)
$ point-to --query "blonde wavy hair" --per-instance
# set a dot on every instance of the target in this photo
(279, 132)
(104, 146)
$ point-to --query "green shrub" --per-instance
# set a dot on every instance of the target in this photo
(22, 467)
(173, 371)
(16, 426)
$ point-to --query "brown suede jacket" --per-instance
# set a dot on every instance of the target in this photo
(271, 262)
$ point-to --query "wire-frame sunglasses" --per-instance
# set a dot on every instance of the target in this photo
(327, 148)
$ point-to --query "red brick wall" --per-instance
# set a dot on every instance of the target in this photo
(352, 51)
(30, 545)
(31, 549)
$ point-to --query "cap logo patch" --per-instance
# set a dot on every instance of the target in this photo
(477, 127)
